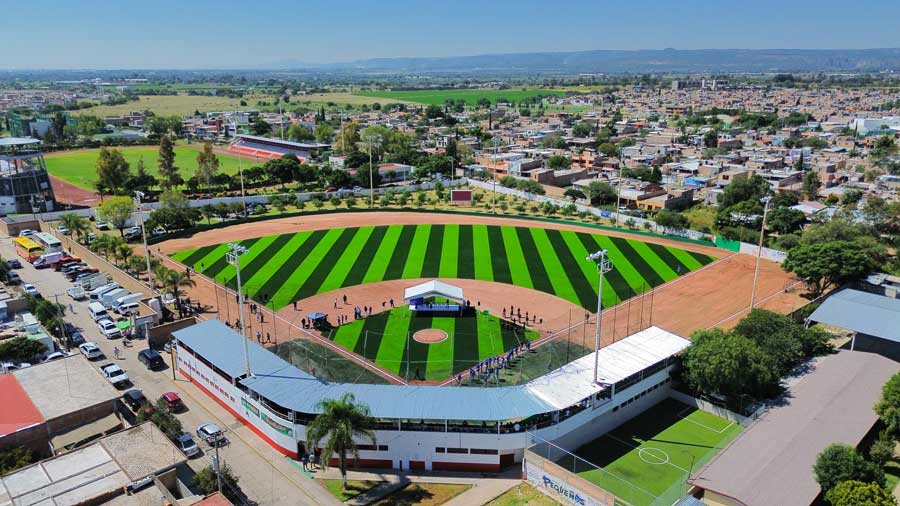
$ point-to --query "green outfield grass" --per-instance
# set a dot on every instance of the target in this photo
(386, 339)
(278, 270)
(80, 167)
(651, 455)
(471, 96)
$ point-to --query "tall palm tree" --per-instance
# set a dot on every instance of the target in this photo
(77, 225)
(175, 280)
(123, 252)
(102, 244)
(160, 272)
(341, 421)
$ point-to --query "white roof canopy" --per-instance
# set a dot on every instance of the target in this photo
(434, 288)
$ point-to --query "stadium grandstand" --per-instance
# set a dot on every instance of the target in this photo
(270, 149)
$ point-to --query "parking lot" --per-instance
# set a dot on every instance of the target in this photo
(265, 476)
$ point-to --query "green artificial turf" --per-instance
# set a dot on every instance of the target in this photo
(652, 454)
(278, 270)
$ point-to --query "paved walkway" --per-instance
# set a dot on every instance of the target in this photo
(485, 487)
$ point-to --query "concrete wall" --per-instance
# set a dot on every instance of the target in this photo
(162, 334)
(709, 407)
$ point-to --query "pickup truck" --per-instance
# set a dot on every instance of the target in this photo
(115, 375)
(76, 292)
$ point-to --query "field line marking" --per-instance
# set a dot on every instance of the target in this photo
(707, 427)
(638, 447)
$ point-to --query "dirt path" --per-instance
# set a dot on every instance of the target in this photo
(68, 193)
(342, 220)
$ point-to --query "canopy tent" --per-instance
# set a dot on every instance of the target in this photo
(434, 288)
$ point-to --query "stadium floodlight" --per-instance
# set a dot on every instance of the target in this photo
(604, 265)
(762, 232)
(233, 256)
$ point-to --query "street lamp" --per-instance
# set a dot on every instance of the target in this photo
(762, 233)
(371, 141)
(234, 258)
(140, 195)
(604, 265)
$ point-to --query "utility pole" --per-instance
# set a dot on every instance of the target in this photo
(494, 174)
(140, 195)
(762, 233)
(371, 141)
(217, 466)
(604, 265)
(234, 258)
(243, 196)
(619, 191)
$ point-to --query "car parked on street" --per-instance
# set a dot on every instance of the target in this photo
(151, 358)
(109, 329)
(31, 290)
(212, 434)
(90, 350)
(14, 263)
(172, 401)
(187, 445)
(134, 399)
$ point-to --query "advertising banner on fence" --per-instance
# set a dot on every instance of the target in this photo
(559, 489)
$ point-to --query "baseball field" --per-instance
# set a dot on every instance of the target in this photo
(79, 167)
(280, 269)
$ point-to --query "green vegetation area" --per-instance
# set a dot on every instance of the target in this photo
(652, 455)
(176, 105)
(281, 269)
(423, 494)
(522, 495)
(470, 96)
(354, 488)
(79, 167)
(386, 339)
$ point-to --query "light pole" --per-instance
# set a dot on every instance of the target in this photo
(234, 258)
(619, 191)
(243, 196)
(140, 195)
(494, 175)
(762, 233)
(371, 141)
(604, 265)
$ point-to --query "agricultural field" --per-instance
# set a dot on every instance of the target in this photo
(79, 167)
(176, 105)
(278, 270)
(386, 339)
(647, 460)
(471, 96)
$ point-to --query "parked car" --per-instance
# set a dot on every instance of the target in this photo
(27, 233)
(62, 229)
(134, 399)
(212, 434)
(102, 225)
(90, 237)
(187, 445)
(12, 277)
(31, 290)
(90, 350)
(76, 339)
(56, 355)
(14, 263)
(132, 233)
(115, 374)
(151, 358)
(172, 401)
(159, 231)
(109, 329)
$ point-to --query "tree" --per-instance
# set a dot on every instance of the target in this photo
(858, 493)
(348, 139)
(167, 423)
(742, 190)
(728, 364)
(601, 192)
(141, 180)
(785, 220)
(882, 450)
(14, 458)
(206, 481)
(827, 264)
(340, 422)
(260, 127)
(811, 184)
(21, 349)
(324, 133)
(608, 149)
(581, 129)
(168, 172)
(207, 164)
(112, 170)
(888, 408)
(300, 133)
(77, 225)
(574, 193)
(117, 211)
(711, 139)
(672, 219)
(559, 162)
(840, 462)
(173, 281)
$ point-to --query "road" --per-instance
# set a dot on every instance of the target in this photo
(264, 475)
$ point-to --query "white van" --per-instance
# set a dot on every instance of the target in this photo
(98, 312)
(98, 292)
(127, 299)
(128, 308)
(48, 259)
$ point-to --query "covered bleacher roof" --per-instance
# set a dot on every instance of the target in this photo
(282, 383)
(861, 312)
(434, 288)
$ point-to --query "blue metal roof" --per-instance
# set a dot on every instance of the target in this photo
(863, 312)
(286, 385)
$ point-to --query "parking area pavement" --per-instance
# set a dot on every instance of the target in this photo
(264, 475)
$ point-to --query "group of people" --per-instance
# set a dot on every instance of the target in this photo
(515, 315)
(308, 460)
(263, 340)
(493, 365)
(185, 309)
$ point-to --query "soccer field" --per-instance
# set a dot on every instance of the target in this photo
(647, 460)
(387, 339)
(80, 167)
(278, 270)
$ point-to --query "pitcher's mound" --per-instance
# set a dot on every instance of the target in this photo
(430, 336)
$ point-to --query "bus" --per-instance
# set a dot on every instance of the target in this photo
(48, 242)
(28, 249)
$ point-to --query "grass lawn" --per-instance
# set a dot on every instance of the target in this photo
(522, 495)
(891, 475)
(80, 167)
(471, 96)
(176, 105)
(423, 494)
(279, 270)
(385, 338)
(354, 488)
(652, 454)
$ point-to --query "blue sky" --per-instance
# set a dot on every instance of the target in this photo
(219, 34)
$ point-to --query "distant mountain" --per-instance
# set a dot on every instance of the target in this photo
(642, 61)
